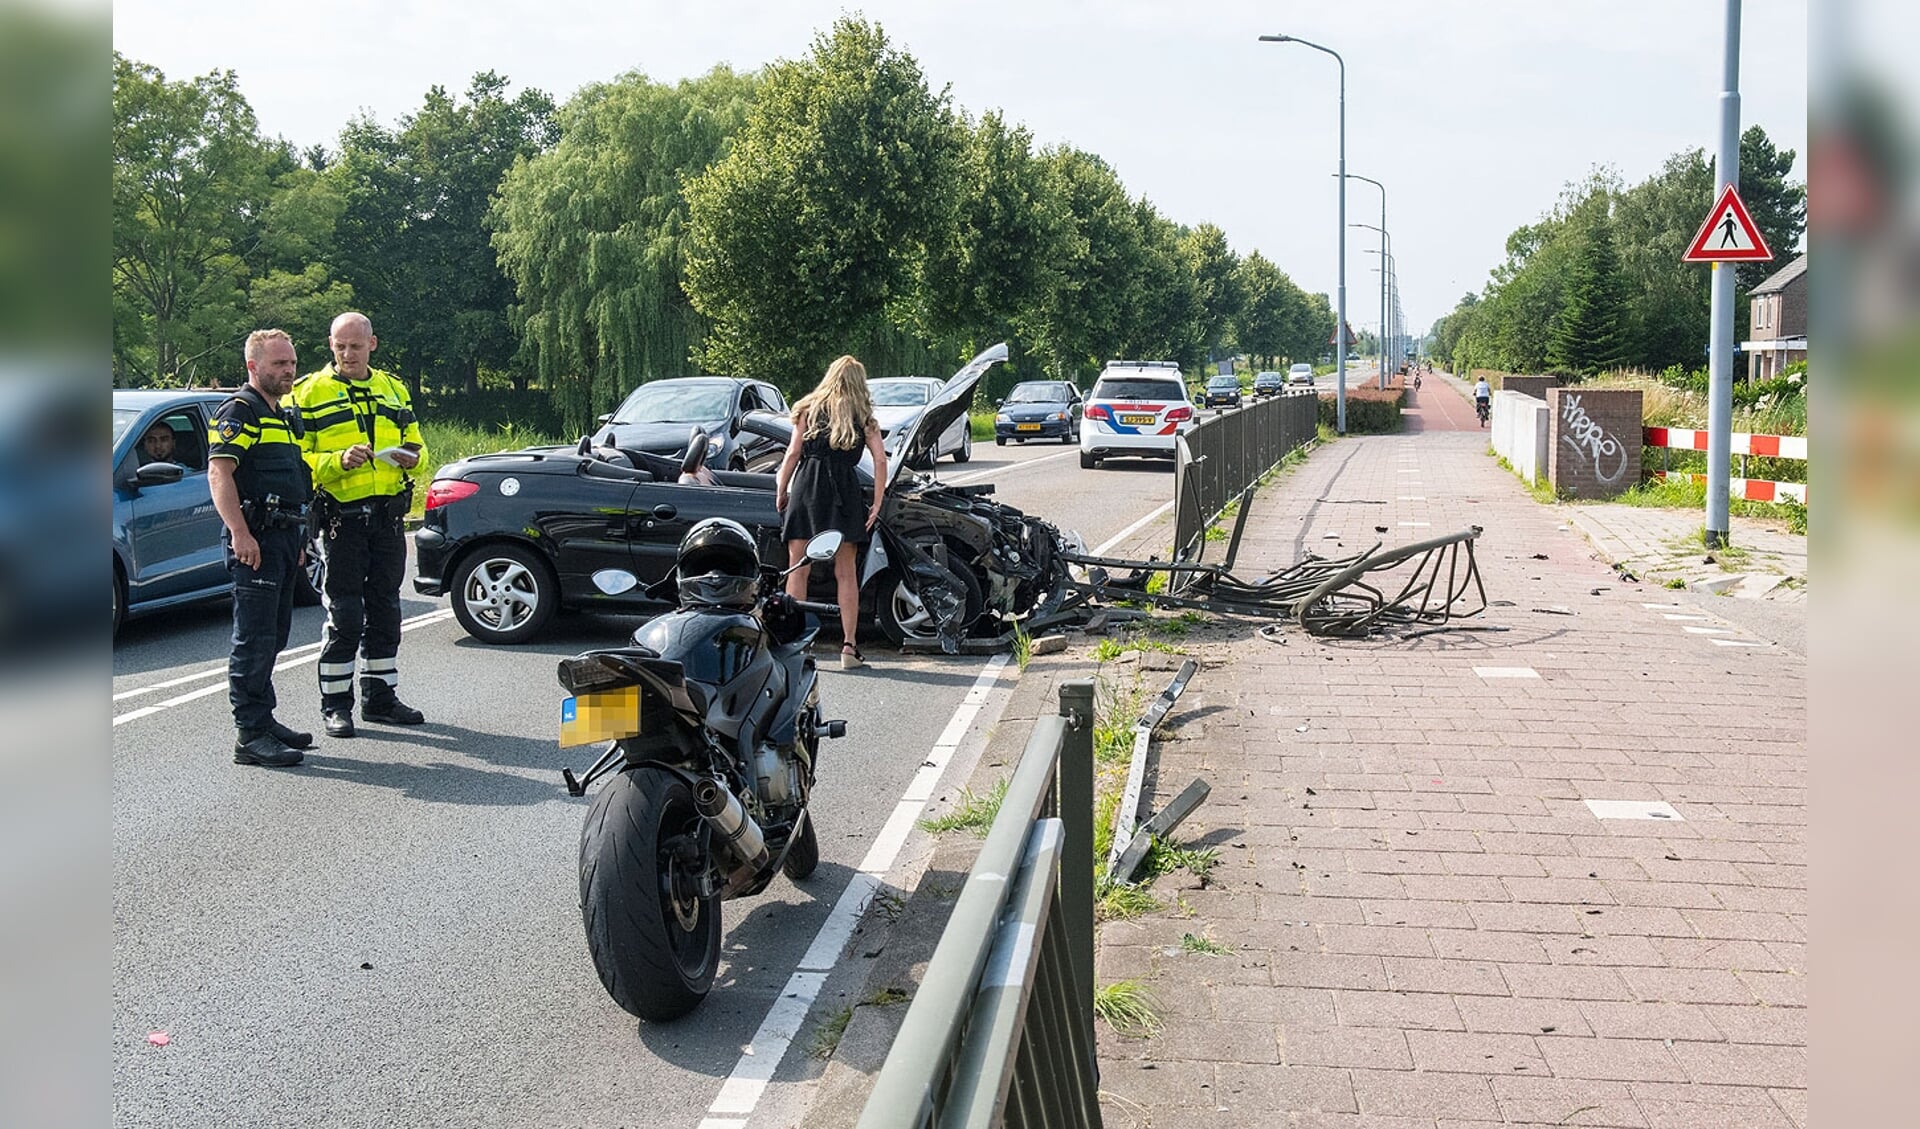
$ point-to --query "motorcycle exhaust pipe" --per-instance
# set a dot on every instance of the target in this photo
(729, 820)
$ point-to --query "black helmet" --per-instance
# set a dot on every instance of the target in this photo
(718, 564)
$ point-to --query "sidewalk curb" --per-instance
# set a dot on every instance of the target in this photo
(897, 949)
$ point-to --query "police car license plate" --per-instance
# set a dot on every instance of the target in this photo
(591, 719)
(1026, 427)
(1139, 418)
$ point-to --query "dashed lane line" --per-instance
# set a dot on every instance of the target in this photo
(219, 687)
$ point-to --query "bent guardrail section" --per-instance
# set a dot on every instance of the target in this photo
(1001, 1030)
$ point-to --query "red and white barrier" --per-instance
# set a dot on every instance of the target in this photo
(1752, 489)
(1744, 443)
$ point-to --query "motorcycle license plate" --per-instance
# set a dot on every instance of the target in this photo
(1026, 427)
(592, 719)
(1138, 419)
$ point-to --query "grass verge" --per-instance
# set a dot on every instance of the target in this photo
(1127, 1007)
(826, 1037)
(974, 814)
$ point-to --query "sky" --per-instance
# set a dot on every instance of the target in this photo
(1475, 114)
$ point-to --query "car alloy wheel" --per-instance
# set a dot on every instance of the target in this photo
(503, 594)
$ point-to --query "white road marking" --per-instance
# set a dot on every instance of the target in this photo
(286, 664)
(741, 1092)
(1413, 498)
(1692, 618)
(1506, 672)
(1416, 523)
(975, 476)
(1734, 643)
(1130, 530)
(1633, 809)
(291, 652)
(1706, 630)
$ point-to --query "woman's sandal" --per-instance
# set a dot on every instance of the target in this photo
(851, 658)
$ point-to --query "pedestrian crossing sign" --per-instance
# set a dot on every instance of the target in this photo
(1729, 235)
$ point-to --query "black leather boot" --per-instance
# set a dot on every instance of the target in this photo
(261, 747)
(339, 720)
(291, 737)
(392, 711)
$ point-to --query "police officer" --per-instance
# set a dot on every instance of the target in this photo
(261, 487)
(361, 440)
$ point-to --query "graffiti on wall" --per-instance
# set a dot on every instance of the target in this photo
(1590, 441)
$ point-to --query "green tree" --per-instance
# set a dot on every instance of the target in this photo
(1778, 206)
(1666, 299)
(1215, 271)
(593, 235)
(1081, 322)
(1012, 229)
(1586, 336)
(1164, 320)
(189, 178)
(413, 238)
(811, 236)
(1260, 328)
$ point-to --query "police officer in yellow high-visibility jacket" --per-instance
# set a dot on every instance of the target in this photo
(362, 441)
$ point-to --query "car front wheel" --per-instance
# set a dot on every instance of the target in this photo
(966, 446)
(504, 594)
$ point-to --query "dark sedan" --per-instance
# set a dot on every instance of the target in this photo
(659, 416)
(513, 537)
(1223, 392)
(1039, 409)
(1268, 384)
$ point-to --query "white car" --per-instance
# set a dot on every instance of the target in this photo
(1300, 374)
(1135, 408)
(899, 399)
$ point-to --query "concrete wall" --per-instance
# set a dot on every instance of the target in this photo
(1519, 427)
(1594, 441)
(1534, 386)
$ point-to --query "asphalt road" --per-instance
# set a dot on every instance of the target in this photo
(390, 934)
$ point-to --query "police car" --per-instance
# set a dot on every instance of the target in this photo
(1137, 408)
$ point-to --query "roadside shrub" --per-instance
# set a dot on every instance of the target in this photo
(1370, 411)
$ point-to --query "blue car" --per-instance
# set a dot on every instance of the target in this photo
(166, 536)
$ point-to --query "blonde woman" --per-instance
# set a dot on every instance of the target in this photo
(830, 426)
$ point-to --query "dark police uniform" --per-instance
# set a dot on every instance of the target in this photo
(360, 514)
(275, 487)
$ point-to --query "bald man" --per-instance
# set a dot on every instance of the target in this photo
(363, 442)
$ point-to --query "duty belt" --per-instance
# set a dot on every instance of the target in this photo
(271, 513)
(366, 507)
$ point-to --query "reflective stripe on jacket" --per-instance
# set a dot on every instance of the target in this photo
(339, 413)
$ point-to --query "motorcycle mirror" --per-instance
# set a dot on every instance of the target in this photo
(615, 581)
(823, 547)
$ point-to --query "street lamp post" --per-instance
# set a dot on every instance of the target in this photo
(1340, 312)
(1386, 321)
(1382, 229)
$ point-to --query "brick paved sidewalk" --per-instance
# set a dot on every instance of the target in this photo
(1429, 926)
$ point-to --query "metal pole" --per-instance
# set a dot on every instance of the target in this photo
(1340, 309)
(1720, 341)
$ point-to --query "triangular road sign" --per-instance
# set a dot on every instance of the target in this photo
(1729, 235)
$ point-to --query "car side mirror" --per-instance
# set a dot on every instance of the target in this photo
(999, 403)
(158, 474)
(603, 419)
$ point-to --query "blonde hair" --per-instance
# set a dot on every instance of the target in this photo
(840, 407)
(259, 338)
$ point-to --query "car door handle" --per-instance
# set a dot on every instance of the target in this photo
(665, 511)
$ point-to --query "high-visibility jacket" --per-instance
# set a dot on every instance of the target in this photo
(339, 413)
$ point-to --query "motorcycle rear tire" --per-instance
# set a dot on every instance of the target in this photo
(655, 940)
(804, 855)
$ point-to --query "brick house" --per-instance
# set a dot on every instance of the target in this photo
(1778, 322)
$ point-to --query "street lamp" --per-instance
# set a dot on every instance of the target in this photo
(1386, 253)
(1340, 313)
(1383, 282)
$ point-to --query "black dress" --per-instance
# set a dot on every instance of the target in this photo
(825, 493)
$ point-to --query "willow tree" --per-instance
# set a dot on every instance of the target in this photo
(593, 231)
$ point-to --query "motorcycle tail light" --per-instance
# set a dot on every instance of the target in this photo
(1179, 414)
(441, 491)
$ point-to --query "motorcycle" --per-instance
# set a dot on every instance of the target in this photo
(712, 723)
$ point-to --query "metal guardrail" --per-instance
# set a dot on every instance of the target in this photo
(1220, 457)
(1001, 1030)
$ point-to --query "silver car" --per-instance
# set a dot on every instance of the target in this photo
(899, 399)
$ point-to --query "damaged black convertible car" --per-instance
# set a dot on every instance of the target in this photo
(512, 538)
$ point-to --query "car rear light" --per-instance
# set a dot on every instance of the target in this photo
(1178, 415)
(1099, 411)
(441, 491)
